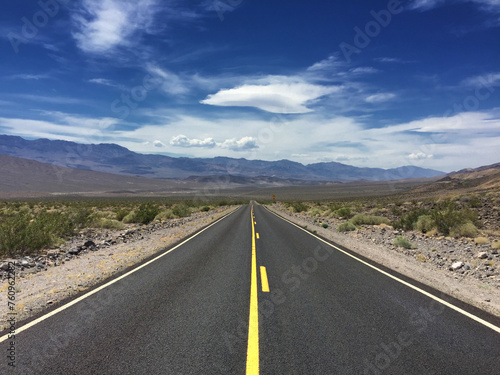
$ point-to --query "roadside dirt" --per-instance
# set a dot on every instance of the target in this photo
(483, 292)
(38, 288)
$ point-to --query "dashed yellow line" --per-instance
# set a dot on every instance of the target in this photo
(253, 324)
(263, 276)
(257, 235)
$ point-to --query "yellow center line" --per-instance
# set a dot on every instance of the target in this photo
(257, 235)
(253, 324)
(263, 276)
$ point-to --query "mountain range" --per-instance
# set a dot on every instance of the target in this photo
(115, 159)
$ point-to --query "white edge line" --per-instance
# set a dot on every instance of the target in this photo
(451, 306)
(81, 298)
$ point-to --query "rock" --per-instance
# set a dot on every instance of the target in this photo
(25, 263)
(482, 255)
(52, 253)
(4, 266)
(456, 266)
(74, 251)
(89, 243)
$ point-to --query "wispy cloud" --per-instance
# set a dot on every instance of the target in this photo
(34, 77)
(381, 97)
(485, 5)
(170, 82)
(485, 80)
(49, 99)
(104, 25)
(425, 4)
(392, 60)
(103, 81)
(59, 126)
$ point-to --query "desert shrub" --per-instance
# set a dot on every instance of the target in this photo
(425, 224)
(106, 223)
(315, 212)
(409, 219)
(205, 208)
(361, 219)
(402, 241)
(121, 213)
(324, 225)
(447, 216)
(344, 212)
(165, 215)
(26, 233)
(181, 210)
(346, 227)
(299, 207)
(81, 217)
(396, 211)
(467, 229)
(146, 213)
(472, 201)
(130, 218)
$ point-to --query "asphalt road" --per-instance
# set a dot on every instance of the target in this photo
(190, 312)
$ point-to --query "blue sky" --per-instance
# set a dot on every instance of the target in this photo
(366, 83)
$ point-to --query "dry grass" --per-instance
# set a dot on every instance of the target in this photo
(421, 258)
(481, 240)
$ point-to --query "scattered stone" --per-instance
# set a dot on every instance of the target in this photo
(456, 266)
(482, 255)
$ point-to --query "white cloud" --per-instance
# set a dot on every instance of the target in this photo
(378, 98)
(279, 95)
(420, 155)
(105, 24)
(183, 141)
(158, 143)
(245, 143)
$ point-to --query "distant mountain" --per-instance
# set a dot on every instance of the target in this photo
(23, 177)
(111, 158)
